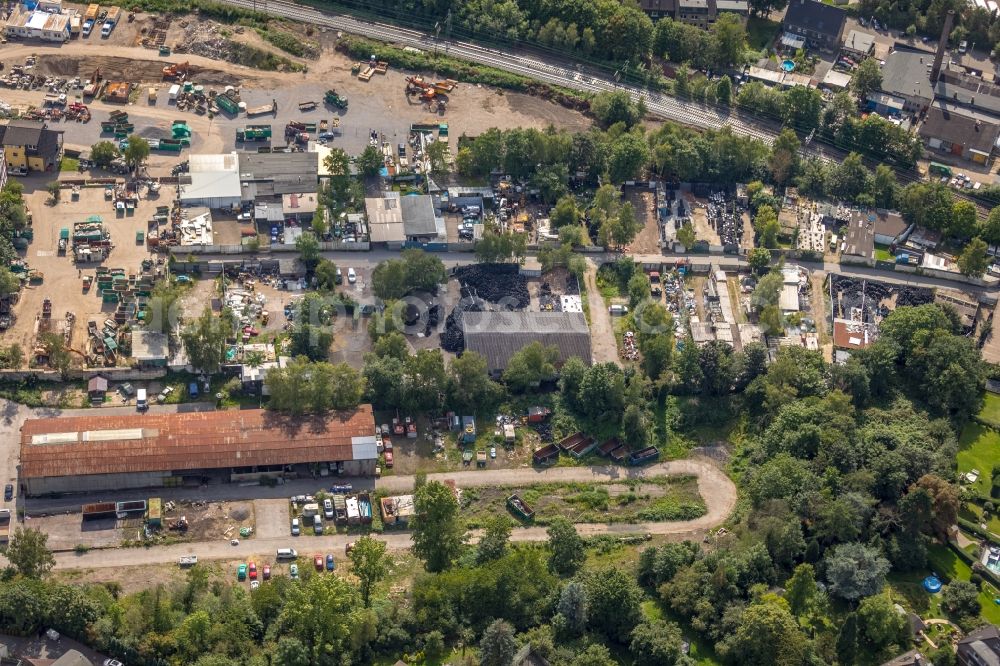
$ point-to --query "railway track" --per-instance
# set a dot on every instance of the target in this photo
(565, 75)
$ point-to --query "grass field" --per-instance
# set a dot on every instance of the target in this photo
(653, 499)
(945, 562)
(760, 32)
(882, 253)
(979, 448)
(991, 409)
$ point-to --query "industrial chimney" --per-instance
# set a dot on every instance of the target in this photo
(949, 23)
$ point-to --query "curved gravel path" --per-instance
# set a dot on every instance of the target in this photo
(717, 490)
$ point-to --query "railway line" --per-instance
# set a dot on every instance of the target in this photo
(569, 76)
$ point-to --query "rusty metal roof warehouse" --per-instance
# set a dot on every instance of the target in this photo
(85, 445)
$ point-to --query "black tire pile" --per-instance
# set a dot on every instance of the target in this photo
(496, 282)
(452, 338)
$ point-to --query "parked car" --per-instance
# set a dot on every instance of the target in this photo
(493, 452)
(352, 277)
(388, 459)
(193, 390)
(330, 565)
(241, 572)
(265, 573)
(293, 571)
(162, 397)
(8, 492)
(318, 561)
(339, 277)
(296, 530)
(253, 571)
(328, 509)
(254, 584)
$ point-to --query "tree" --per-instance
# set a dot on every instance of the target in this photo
(103, 153)
(393, 344)
(307, 245)
(440, 157)
(470, 388)
(136, 151)
(610, 108)
(724, 90)
(345, 387)
(963, 220)
(686, 235)
(867, 79)
(370, 565)
(882, 626)
(784, 161)
(946, 501)
(572, 608)
(884, 186)
(766, 633)
(28, 552)
(855, 570)
(54, 188)
(414, 270)
(656, 643)
(765, 223)
(304, 386)
(991, 228)
(9, 283)
(493, 544)
(850, 178)
(729, 38)
(847, 640)
(291, 652)
(802, 106)
(566, 546)
(326, 275)
(205, 339)
(437, 530)
(595, 655)
(324, 613)
(801, 590)
(497, 647)
(615, 603)
(565, 212)
(974, 261)
(960, 599)
(337, 163)
(370, 161)
(603, 391)
(759, 259)
(384, 377)
(531, 365)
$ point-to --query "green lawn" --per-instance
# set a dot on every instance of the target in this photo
(882, 253)
(945, 562)
(69, 164)
(979, 448)
(760, 32)
(991, 409)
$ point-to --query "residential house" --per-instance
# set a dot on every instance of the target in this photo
(960, 132)
(700, 13)
(30, 145)
(819, 24)
(905, 75)
(980, 648)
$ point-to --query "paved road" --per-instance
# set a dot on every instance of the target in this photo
(715, 487)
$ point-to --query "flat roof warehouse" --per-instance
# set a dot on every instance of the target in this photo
(77, 454)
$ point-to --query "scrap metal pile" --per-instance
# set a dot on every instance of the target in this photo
(726, 218)
(869, 301)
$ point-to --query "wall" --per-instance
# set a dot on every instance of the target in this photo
(94, 482)
(330, 246)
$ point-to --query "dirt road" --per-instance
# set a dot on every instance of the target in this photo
(715, 487)
(604, 347)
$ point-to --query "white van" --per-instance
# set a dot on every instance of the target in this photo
(287, 554)
(141, 403)
(296, 530)
(618, 310)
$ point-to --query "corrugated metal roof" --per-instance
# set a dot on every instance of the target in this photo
(187, 441)
(499, 335)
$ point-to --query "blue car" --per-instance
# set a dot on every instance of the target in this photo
(329, 563)
(193, 389)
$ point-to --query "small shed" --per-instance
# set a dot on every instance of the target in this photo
(97, 387)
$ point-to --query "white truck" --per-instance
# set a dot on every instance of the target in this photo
(188, 560)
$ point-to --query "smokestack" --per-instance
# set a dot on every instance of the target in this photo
(949, 22)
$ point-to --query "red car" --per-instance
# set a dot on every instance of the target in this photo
(387, 444)
(253, 571)
(388, 458)
(318, 561)
(266, 572)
